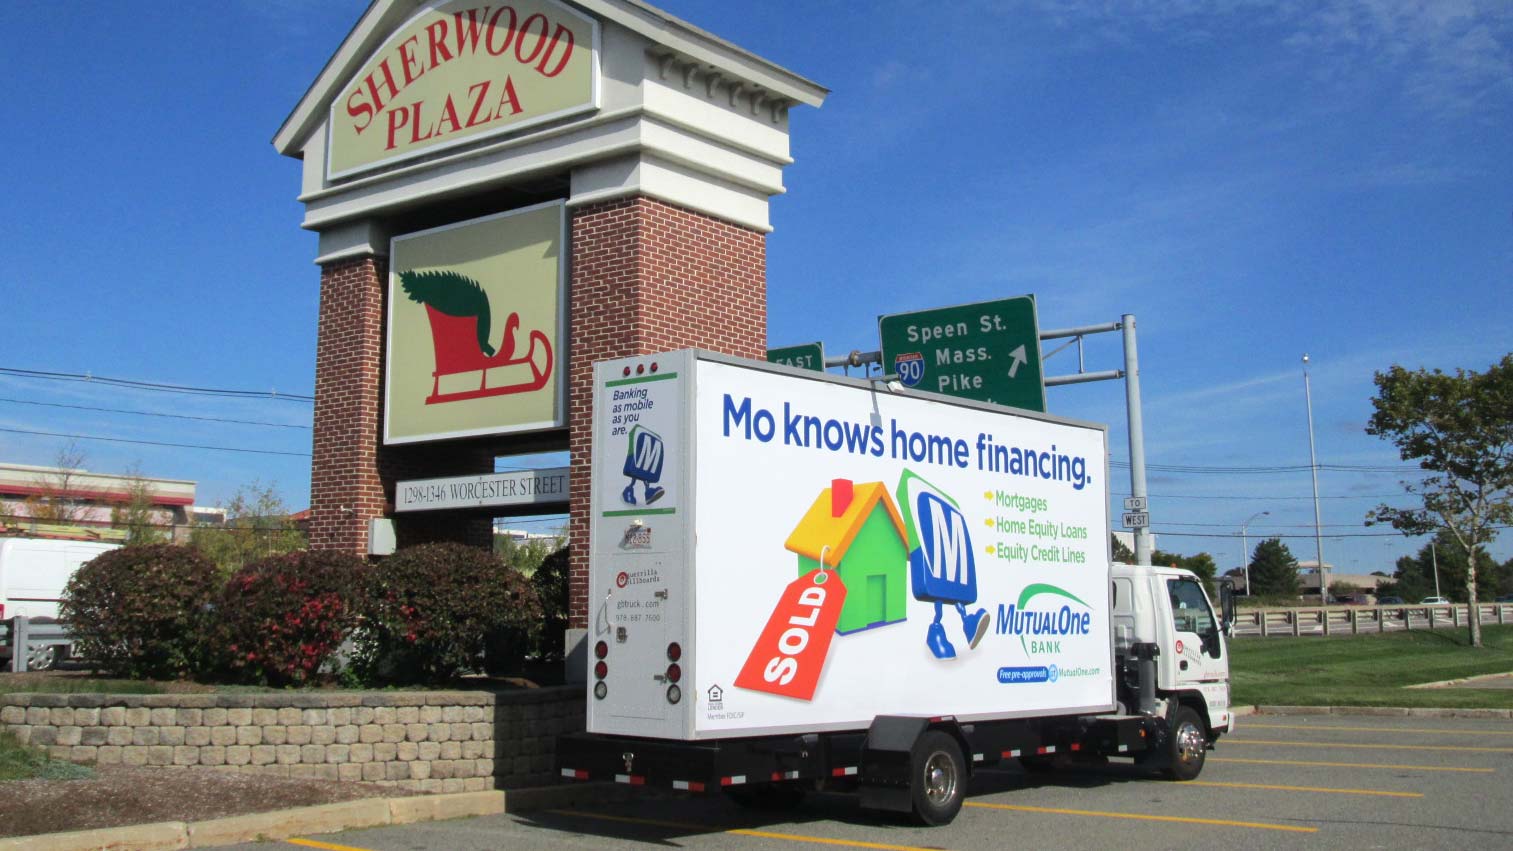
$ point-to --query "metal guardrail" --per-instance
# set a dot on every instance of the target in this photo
(32, 644)
(1357, 620)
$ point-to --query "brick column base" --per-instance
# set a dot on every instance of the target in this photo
(647, 277)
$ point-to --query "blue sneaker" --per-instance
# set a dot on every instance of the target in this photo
(935, 639)
(975, 626)
(629, 494)
(654, 493)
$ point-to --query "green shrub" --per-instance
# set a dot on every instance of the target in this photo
(431, 608)
(140, 611)
(280, 618)
(550, 584)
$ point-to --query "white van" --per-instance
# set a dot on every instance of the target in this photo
(33, 572)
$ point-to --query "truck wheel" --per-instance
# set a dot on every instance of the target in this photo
(1186, 747)
(938, 778)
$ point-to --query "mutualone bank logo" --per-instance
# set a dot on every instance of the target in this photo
(1044, 616)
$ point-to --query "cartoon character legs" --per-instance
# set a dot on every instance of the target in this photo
(652, 492)
(935, 637)
(974, 625)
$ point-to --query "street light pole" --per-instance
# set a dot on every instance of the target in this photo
(1313, 467)
(1245, 547)
(1435, 557)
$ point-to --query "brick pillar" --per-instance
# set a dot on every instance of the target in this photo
(352, 474)
(648, 276)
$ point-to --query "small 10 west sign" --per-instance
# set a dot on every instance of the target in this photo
(522, 487)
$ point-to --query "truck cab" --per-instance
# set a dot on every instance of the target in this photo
(1170, 649)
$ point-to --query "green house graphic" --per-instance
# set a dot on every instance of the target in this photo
(857, 530)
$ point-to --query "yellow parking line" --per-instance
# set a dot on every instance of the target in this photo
(1327, 789)
(761, 834)
(1436, 731)
(1353, 765)
(1144, 817)
(1462, 748)
(327, 846)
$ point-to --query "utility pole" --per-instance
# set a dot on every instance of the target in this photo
(1313, 467)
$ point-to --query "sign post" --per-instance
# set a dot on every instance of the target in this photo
(803, 356)
(989, 351)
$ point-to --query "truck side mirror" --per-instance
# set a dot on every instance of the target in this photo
(1227, 606)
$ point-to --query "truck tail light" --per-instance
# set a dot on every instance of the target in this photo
(674, 673)
(601, 670)
(601, 650)
(674, 652)
(674, 694)
(600, 690)
(2, 611)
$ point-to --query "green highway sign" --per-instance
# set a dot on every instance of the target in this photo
(989, 351)
(805, 356)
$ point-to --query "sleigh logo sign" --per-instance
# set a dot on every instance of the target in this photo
(461, 319)
(475, 316)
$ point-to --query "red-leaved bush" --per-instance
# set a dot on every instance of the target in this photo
(279, 619)
(431, 609)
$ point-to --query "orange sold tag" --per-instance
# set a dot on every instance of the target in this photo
(791, 651)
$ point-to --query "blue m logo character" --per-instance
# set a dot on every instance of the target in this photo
(643, 463)
(942, 568)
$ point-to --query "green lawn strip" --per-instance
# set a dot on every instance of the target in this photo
(1371, 670)
(77, 685)
(19, 762)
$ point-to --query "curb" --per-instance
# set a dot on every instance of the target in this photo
(326, 818)
(1398, 711)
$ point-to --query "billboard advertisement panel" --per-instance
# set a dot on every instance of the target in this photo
(862, 553)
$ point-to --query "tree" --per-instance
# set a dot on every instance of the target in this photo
(1122, 554)
(137, 516)
(257, 526)
(1459, 428)
(54, 503)
(1273, 570)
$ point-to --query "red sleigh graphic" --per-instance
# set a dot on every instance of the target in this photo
(459, 314)
(456, 354)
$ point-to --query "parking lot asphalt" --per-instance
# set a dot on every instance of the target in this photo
(1293, 781)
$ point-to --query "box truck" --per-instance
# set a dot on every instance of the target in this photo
(802, 581)
(33, 572)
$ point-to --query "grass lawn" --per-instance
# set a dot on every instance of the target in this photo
(1370, 670)
(18, 762)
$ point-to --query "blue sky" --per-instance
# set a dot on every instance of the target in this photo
(1252, 180)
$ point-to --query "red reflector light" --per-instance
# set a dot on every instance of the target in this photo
(653, 366)
(600, 669)
(601, 650)
(674, 673)
(626, 371)
(674, 652)
(640, 368)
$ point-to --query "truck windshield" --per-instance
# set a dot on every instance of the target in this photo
(1190, 611)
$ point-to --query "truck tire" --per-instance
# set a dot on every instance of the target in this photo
(1181, 757)
(938, 778)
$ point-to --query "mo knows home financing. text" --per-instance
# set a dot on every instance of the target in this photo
(794, 428)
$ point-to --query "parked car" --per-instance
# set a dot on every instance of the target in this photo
(1434, 601)
(1389, 600)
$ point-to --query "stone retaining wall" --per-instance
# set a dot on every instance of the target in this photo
(452, 741)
